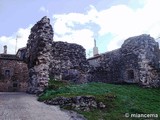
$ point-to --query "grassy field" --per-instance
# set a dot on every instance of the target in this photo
(130, 99)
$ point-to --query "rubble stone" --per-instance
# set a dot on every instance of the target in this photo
(69, 62)
(48, 59)
(137, 61)
(13, 74)
(84, 103)
(38, 55)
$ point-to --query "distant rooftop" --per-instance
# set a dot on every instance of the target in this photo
(8, 57)
(95, 57)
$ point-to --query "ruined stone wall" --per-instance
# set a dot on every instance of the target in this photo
(68, 62)
(137, 61)
(38, 55)
(13, 75)
(108, 69)
(48, 59)
(146, 50)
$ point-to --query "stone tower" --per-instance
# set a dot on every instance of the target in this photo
(95, 49)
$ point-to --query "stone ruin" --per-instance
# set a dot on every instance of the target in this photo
(137, 61)
(69, 62)
(38, 55)
(48, 59)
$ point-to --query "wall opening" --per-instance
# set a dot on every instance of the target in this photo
(130, 75)
(7, 73)
(15, 85)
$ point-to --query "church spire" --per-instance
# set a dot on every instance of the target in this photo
(95, 49)
(95, 43)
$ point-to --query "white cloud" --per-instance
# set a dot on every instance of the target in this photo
(43, 9)
(65, 23)
(115, 43)
(115, 20)
(66, 29)
(122, 22)
(92, 13)
(22, 37)
(60, 26)
(82, 37)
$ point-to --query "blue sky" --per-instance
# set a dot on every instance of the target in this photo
(110, 22)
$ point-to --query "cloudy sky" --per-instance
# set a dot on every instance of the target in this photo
(110, 22)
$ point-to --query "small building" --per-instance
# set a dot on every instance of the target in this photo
(13, 73)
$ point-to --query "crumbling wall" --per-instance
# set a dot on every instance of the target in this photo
(137, 61)
(146, 50)
(38, 55)
(108, 69)
(69, 62)
(48, 59)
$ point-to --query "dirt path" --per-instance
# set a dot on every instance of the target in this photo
(22, 106)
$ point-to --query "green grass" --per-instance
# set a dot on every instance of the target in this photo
(120, 99)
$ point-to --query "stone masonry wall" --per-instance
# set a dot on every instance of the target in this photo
(146, 50)
(13, 75)
(38, 55)
(48, 59)
(69, 62)
(108, 69)
(137, 61)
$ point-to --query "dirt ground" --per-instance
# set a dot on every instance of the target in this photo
(22, 106)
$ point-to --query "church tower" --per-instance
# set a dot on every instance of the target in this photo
(5, 49)
(95, 49)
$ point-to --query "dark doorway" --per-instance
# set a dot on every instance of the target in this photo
(15, 87)
(130, 75)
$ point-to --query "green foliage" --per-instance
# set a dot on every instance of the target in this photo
(119, 99)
